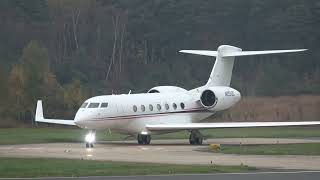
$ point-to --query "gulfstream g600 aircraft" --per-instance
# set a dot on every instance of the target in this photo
(165, 109)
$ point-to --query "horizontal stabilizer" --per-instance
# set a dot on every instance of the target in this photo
(191, 126)
(250, 53)
(238, 53)
(200, 52)
(39, 117)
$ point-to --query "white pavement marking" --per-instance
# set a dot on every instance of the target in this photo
(27, 148)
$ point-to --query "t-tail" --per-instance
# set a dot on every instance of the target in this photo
(225, 55)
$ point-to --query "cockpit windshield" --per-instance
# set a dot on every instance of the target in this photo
(84, 105)
(104, 105)
(93, 105)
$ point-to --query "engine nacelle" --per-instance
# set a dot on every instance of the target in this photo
(166, 89)
(219, 98)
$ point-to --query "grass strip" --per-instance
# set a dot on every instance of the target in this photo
(38, 167)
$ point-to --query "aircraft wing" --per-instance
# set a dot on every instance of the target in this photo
(57, 121)
(39, 117)
(191, 126)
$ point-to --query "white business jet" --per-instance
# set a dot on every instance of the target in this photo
(166, 109)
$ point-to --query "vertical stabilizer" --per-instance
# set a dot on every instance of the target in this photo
(222, 69)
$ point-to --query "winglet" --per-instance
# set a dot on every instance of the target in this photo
(39, 111)
(39, 117)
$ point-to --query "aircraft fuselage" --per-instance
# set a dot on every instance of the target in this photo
(130, 113)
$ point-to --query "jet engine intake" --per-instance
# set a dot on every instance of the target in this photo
(208, 98)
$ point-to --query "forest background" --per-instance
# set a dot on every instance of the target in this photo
(64, 51)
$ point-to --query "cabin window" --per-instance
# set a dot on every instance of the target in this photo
(84, 105)
(93, 105)
(104, 105)
(167, 106)
(143, 108)
(174, 105)
(159, 107)
(151, 107)
(182, 105)
(135, 109)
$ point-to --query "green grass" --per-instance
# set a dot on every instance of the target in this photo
(48, 135)
(265, 132)
(274, 149)
(36, 167)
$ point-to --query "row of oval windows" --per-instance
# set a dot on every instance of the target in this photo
(166, 106)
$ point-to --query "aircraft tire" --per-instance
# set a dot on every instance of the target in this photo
(195, 138)
(191, 140)
(140, 139)
(199, 141)
(144, 139)
(147, 139)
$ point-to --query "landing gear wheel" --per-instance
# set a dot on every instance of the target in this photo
(140, 141)
(199, 141)
(195, 138)
(89, 145)
(147, 139)
(90, 138)
(144, 139)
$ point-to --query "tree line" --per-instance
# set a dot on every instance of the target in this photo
(63, 51)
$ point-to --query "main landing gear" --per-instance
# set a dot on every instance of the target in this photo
(90, 138)
(144, 139)
(195, 137)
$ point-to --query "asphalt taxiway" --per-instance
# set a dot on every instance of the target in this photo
(169, 152)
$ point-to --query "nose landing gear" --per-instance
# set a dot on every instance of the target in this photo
(144, 139)
(195, 138)
(90, 139)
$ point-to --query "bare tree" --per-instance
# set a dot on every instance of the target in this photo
(115, 20)
(119, 21)
(75, 21)
(121, 44)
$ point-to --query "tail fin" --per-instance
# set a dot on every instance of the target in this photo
(222, 69)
